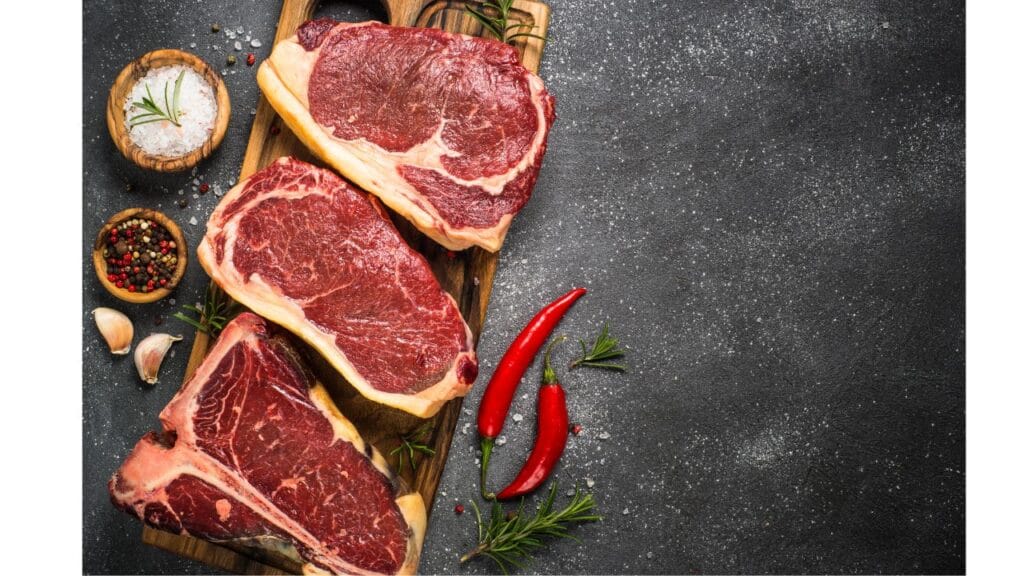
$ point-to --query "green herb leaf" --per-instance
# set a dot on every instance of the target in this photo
(494, 17)
(510, 539)
(218, 309)
(413, 443)
(604, 348)
(176, 107)
(154, 113)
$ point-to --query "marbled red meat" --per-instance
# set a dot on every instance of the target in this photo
(299, 246)
(448, 130)
(254, 450)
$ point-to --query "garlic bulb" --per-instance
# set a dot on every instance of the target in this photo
(116, 329)
(149, 354)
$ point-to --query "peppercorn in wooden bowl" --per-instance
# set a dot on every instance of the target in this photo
(165, 99)
(140, 255)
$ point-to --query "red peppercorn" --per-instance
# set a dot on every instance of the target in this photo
(120, 284)
(163, 250)
(576, 429)
(204, 188)
(459, 508)
(163, 243)
(111, 277)
(163, 281)
(131, 287)
(250, 59)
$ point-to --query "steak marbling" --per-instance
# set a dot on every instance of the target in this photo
(253, 450)
(302, 248)
(446, 129)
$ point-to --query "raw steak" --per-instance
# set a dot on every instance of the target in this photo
(448, 130)
(302, 248)
(253, 450)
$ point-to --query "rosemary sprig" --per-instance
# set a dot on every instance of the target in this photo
(171, 111)
(216, 312)
(411, 444)
(493, 15)
(605, 348)
(509, 540)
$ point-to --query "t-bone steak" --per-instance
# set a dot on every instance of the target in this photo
(301, 247)
(254, 451)
(448, 130)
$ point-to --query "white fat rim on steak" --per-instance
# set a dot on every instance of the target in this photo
(269, 302)
(170, 464)
(284, 79)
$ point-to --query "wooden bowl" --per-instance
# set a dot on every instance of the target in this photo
(121, 89)
(100, 264)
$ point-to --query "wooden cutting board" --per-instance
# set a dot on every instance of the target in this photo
(467, 276)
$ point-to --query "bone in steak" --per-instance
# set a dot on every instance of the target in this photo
(448, 130)
(301, 247)
(253, 450)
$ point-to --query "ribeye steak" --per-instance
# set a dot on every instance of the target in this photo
(253, 450)
(448, 130)
(302, 248)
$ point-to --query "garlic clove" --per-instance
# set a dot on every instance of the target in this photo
(149, 354)
(116, 329)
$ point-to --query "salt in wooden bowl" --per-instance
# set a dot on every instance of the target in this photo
(122, 89)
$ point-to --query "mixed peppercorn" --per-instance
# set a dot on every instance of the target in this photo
(141, 255)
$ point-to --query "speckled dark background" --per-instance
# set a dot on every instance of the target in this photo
(767, 202)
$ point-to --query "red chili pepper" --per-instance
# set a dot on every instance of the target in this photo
(502, 387)
(552, 432)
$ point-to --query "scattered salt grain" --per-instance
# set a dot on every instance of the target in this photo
(650, 554)
(517, 417)
(501, 440)
(625, 511)
(230, 34)
(590, 482)
(231, 182)
(197, 105)
(465, 428)
(252, 111)
(240, 30)
(604, 436)
(238, 46)
(255, 43)
(192, 45)
(195, 196)
(193, 221)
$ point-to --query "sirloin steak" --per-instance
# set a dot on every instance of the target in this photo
(253, 450)
(446, 129)
(302, 248)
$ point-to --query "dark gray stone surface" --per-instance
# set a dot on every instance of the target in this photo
(767, 203)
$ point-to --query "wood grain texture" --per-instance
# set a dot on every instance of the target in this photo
(468, 276)
(122, 88)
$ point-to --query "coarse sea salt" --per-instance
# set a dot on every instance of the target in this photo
(197, 105)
